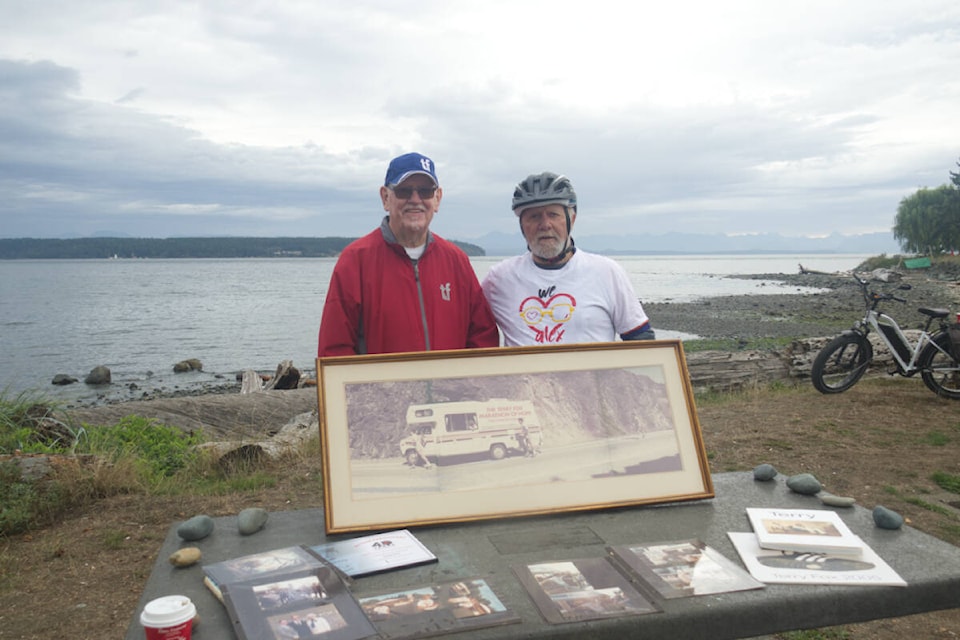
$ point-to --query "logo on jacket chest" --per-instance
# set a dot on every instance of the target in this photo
(445, 291)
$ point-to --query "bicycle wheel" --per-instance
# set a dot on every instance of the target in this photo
(939, 369)
(841, 363)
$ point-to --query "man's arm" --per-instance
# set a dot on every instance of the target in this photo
(483, 330)
(643, 332)
(340, 325)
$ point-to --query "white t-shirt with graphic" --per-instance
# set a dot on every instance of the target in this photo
(589, 299)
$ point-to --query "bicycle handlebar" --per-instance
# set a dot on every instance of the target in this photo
(884, 296)
(872, 298)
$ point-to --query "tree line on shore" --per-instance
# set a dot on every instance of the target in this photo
(928, 221)
(227, 247)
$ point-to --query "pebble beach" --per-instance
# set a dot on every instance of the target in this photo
(798, 315)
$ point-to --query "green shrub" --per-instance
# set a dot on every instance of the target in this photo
(882, 261)
(27, 425)
(161, 450)
(25, 504)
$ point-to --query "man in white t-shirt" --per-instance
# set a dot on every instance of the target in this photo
(556, 293)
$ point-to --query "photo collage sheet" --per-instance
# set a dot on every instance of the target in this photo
(305, 592)
(630, 580)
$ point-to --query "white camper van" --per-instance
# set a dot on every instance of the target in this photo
(494, 427)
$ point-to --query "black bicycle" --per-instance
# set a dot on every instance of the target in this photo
(936, 356)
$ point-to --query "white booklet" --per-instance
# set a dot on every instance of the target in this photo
(814, 530)
(375, 553)
(797, 567)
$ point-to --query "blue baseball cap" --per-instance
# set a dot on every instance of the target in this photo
(402, 167)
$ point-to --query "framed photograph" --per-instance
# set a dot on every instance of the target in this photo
(450, 436)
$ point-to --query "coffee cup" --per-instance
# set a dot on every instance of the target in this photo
(168, 618)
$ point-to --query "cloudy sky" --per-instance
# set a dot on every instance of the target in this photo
(166, 118)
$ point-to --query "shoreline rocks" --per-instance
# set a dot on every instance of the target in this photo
(810, 319)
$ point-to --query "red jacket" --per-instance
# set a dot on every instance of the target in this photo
(376, 304)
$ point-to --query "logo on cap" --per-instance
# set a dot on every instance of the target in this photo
(402, 167)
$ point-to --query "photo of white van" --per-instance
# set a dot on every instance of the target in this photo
(447, 430)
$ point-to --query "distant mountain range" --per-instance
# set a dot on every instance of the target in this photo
(503, 244)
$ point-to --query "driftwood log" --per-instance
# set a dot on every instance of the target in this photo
(259, 415)
(738, 370)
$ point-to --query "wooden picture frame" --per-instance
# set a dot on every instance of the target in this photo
(413, 439)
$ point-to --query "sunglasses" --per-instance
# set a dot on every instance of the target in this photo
(404, 193)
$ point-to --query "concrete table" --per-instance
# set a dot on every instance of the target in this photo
(488, 549)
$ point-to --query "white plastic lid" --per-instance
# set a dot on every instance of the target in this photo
(168, 611)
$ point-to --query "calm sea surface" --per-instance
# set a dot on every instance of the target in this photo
(140, 317)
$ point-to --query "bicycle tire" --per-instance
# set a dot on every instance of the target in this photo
(940, 370)
(841, 363)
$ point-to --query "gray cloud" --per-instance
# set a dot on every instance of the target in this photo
(174, 119)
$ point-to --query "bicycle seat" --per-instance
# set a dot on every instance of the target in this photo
(934, 313)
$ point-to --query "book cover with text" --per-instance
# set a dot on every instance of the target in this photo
(816, 530)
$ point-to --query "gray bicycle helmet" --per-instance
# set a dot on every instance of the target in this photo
(543, 188)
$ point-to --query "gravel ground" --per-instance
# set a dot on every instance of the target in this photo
(744, 317)
(804, 315)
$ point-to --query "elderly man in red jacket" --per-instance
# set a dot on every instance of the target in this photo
(402, 287)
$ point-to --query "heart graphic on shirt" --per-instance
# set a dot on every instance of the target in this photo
(550, 314)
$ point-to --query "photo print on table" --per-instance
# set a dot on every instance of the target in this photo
(584, 589)
(436, 609)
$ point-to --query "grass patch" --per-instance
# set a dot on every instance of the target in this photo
(27, 425)
(766, 393)
(923, 504)
(24, 504)
(947, 481)
(831, 633)
(241, 483)
(778, 444)
(159, 450)
(882, 261)
(136, 455)
(937, 439)
(709, 397)
(114, 540)
(735, 344)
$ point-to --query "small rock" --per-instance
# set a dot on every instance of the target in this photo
(764, 472)
(185, 557)
(196, 528)
(887, 518)
(836, 501)
(98, 375)
(804, 483)
(63, 379)
(251, 520)
(188, 365)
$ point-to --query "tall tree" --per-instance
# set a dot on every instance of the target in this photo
(929, 221)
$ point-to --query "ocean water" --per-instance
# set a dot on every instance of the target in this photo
(140, 317)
